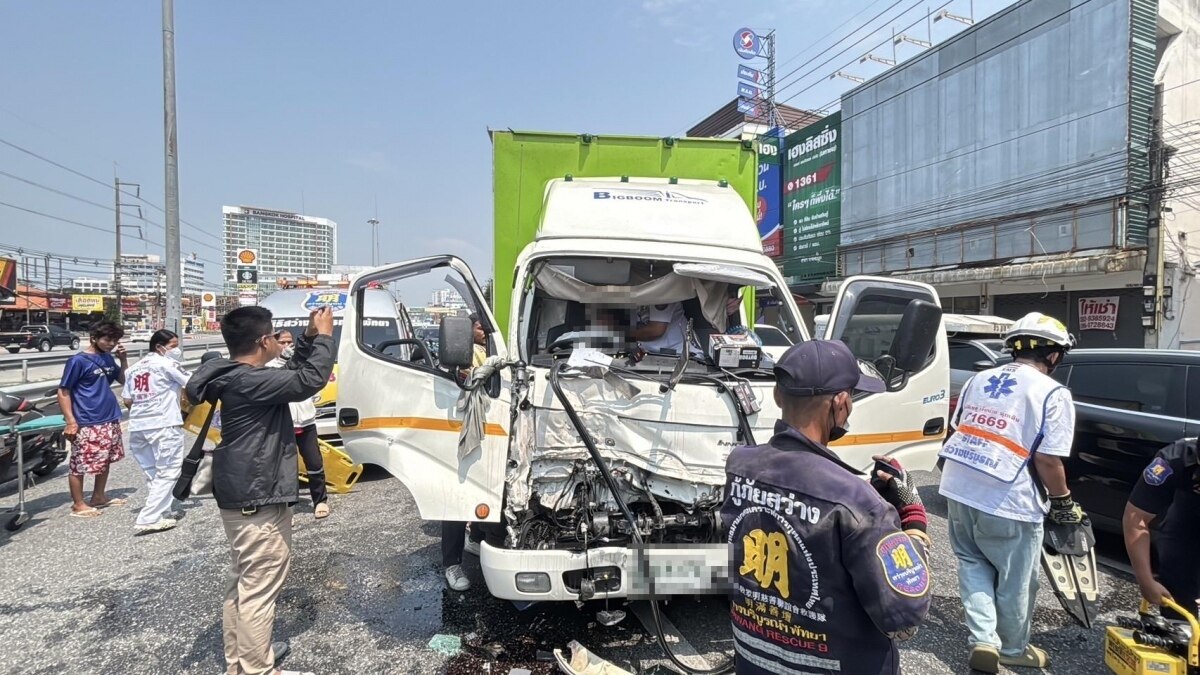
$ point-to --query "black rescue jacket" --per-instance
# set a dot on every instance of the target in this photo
(823, 577)
(255, 463)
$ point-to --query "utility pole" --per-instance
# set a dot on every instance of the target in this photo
(1152, 275)
(174, 309)
(117, 204)
(374, 223)
(46, 276)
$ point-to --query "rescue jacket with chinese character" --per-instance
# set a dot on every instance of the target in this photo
(1169, 487)
(822, 575)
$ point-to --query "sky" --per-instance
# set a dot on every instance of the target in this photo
(349, 109)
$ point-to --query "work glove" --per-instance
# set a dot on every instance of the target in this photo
(900, 492)
(1064, 510)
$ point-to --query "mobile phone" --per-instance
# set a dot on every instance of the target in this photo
(886, 468)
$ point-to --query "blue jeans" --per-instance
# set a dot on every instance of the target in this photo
(997, 575)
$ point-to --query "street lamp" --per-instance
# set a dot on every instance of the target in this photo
(374, 223)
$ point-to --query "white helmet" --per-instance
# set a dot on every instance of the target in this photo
(1038, 330)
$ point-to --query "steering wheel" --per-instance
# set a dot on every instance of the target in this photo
(420, 352)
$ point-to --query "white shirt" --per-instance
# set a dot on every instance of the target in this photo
(304, 412)
(673, 337)
(1035, 404)
(153, 384)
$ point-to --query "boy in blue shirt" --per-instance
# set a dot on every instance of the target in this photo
(93, 415)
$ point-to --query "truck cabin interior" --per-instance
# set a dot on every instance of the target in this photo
(597, 302)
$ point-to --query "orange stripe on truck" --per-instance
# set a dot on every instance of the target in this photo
(995, 438)
(887, 437)
(423, 423)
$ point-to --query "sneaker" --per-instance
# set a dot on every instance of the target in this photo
(456, 578)
(1033, 657)
(985, 659)
(163, 523)
(471, 547)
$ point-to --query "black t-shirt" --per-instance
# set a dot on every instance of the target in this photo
(1169, 487)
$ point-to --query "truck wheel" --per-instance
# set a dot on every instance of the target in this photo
(75, 343)
(13, 350)
(44, 346)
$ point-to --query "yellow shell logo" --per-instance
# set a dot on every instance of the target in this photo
(247, 257)
(209, 297)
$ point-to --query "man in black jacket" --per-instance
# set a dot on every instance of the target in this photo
(255, 478)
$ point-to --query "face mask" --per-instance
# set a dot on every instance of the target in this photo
(837, 431)
(287, 352)
(175, 354)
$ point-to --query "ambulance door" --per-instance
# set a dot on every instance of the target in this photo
(397, 408)
(909, 420)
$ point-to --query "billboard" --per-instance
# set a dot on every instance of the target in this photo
(770, 176)
(58, 303)
(812, 199)
(8, 281)
(86, 304)
(1026, 114)
(208, 299)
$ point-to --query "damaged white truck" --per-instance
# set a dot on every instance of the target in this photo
(599, 470)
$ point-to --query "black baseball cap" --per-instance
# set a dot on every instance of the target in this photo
(822, 367)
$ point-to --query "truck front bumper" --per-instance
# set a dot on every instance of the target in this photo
(608, 572)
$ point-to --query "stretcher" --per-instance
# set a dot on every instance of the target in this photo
(341, 473)
(1152, 645)
(14, 409)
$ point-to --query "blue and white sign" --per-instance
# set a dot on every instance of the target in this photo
(335, 300)
(749, 91)
(748, 107)
(746, 43)
(751, 75)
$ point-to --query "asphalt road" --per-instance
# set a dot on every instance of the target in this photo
(365, 595)
(47, 367)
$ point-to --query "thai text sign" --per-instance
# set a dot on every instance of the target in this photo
(1099, 313)
(812, 199)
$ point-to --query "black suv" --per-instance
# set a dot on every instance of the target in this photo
(1129, 403)
(41, 338)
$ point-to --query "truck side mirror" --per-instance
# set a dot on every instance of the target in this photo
(915, 335)
(456, 343)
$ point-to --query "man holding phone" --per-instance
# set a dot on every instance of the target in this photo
(827, 570)
(255, 472)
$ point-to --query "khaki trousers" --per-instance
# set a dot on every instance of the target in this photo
(260, 545)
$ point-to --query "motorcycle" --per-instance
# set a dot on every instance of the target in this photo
(44, 445)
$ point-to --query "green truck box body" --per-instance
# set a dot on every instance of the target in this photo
(524, 162)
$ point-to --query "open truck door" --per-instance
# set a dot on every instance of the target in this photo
(397, 407)
(895, 327)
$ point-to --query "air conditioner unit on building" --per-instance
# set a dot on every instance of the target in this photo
(1065, 230)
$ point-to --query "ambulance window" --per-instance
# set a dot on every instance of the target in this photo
(1154, 389)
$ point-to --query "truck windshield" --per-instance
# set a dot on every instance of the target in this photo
(627, 306)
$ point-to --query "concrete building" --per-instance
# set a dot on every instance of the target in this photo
(1014, 166)
(288, 245)
(146, 275)
(92, 286)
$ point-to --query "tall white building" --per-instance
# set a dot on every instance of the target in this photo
(92, 286)
(289, 245)
(146, 275)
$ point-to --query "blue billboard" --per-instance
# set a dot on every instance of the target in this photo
(770, 192)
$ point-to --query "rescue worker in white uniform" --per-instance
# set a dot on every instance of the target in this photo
(1013, 425)
(152, 394)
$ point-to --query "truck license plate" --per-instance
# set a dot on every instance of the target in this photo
(683, 569)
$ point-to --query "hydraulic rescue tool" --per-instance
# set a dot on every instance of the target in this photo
(1150, 644)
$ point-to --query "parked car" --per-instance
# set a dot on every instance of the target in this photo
(1129, 403)
(139, 335)
(968, 357)
(41, 338)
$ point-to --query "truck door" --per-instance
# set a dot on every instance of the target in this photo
(909, 421)
(397, 409)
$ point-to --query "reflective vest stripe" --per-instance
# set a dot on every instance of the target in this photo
(995, 438)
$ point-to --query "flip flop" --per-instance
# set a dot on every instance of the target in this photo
(115, 501)
(86, 513)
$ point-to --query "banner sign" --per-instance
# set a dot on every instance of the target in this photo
(246, 298)
(769, 192)
(247, 275)
(749, 91)
(748, 107)
(131, 306)
(812, 198)
(751, 75)
(208, 299)
(1099, 313)
(8, 281)
(58, 303)
(746, 43)
(86, 304)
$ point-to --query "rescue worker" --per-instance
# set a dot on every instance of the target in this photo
(826, 571)
(1012, 426)
(152, 395)
(1169, 487)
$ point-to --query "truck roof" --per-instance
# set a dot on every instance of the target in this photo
(649, 209)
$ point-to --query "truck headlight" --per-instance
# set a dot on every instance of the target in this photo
(533, 582)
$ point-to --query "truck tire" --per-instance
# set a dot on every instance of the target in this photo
(13, 350)
(44, 346)
(75, 343)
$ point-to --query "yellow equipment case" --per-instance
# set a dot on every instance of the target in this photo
(341, 473)
(1151, 645)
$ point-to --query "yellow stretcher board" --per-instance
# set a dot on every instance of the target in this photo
(341, 473)
(1125, 656)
